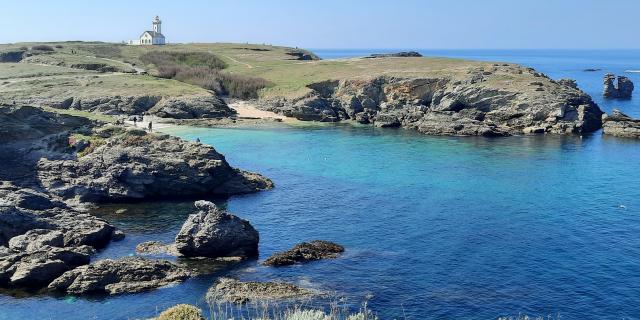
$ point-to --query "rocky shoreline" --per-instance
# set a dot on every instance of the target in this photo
(480, 103)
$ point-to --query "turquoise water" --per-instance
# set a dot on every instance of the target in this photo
(435, 227)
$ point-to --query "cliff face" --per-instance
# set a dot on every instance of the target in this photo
(503, 100)
(623, 89)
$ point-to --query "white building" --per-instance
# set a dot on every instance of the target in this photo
(154, 37)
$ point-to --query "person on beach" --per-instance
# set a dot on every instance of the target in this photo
(135, 121)
(150, 126)
(198, 140)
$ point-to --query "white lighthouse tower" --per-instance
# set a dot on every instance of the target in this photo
(153, 37)
(157, 25)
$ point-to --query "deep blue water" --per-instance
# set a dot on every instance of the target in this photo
(435, 227)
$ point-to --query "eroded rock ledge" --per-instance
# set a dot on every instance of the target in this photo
(620, 125)
(501, 100)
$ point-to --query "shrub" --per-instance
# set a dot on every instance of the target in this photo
(204, 70)
(42, 47)
(104, 51)
(59, 46)
(23, 48)
(181, 312)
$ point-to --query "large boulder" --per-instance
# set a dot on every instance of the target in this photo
(196, 107)
(620, 125)
(213, 233)
(305, 252)
(126, 275)
(231, 290)
(623, 89)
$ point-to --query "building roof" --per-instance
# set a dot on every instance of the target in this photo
(153, 34)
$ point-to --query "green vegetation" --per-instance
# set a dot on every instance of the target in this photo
(79, 113)
(181, 312)
(203, 69)
(237, 70)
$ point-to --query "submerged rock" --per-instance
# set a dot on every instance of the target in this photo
(156, 247)
(305, 252)
(623, 89)
(231, 290)
(621, 125)
(214, 233)
(126, 275)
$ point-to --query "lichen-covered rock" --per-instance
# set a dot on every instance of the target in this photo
(126, 275)
(620, 125)
(623, 89)
(305, 252)
(213, 233)
(497, 101)
(137, 165)
(231, 290)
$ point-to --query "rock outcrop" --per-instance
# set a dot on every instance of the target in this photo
(126, 275)
(305, 252)
(214, 233)
(623, 89)
(496, 101)
(403, 54)
(231, 290)
(620, 125)
(133, 164)
(198, 107)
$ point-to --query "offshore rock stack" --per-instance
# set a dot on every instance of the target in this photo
(623, 90)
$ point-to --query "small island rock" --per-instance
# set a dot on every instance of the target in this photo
(621, 125)
(214, 233)
(623, 90)
(305, 252)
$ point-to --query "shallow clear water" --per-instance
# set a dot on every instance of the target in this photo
(435, 227)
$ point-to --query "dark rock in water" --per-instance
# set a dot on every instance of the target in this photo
(404, 54)
(623, 89)
(231, 290)
(620, 125)
(215, 233)
(305, 252)
(591, 70)
(126, 275)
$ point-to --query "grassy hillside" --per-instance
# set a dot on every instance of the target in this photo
(284, 73)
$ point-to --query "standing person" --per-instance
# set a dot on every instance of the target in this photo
(135, 121)
(150, 126)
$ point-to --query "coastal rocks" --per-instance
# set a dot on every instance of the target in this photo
(403, 54)
(38, 268)
(214, 233)
(198, 107)
(155, 247)
(623, 89)
(305, 252)
(126, 275)
(179, 107)
(231, 290)
(620, 125)
(496, 100)
(137, 165)
(12, 56)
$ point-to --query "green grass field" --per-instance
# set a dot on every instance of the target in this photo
(287, 76)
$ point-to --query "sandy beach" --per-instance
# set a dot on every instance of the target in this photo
(246, 109)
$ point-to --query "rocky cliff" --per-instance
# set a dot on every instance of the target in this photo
(501, 100)
(620, 125)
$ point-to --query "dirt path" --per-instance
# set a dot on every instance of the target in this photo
(235, 60)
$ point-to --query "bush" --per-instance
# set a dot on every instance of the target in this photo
(59, 46)
(42, 47)
(104, 51)
(203, 70)
(23, 48)
(181, 312)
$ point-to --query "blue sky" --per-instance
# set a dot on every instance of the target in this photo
(438, 24)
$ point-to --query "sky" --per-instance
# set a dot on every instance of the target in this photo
(344, 24)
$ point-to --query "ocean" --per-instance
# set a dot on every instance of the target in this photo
(434, 227)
